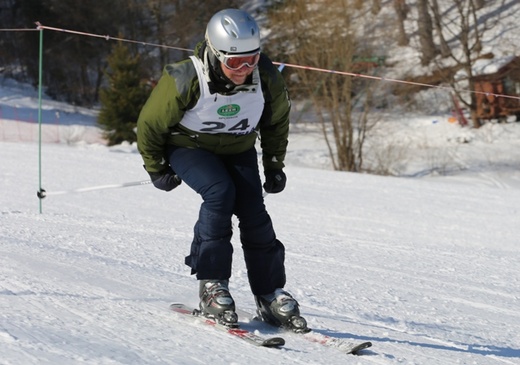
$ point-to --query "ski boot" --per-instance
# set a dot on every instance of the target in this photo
(217, 303)
(280, 309)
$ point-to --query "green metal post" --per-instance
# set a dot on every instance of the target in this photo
(40, 117)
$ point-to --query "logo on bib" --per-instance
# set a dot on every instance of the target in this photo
(228, 110)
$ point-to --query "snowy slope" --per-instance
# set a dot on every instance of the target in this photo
(426, 270)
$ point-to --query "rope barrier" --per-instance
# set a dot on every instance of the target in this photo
(379, 78)
(40, 26)
(20, 30)
(108, 37)
(282, 64)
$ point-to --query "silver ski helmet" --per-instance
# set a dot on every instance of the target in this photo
(232, 31)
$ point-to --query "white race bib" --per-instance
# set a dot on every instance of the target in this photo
(216, 113)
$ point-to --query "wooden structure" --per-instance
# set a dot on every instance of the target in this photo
(506, 81)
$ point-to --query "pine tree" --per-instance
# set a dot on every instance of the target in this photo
(123, 98)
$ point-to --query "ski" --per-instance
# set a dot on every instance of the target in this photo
(343, 345)
(238, 332)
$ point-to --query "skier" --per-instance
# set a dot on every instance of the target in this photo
(200, 125)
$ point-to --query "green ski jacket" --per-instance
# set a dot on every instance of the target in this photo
(178, 91)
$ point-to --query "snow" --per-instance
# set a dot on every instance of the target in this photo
(488, 67)
(424, 266)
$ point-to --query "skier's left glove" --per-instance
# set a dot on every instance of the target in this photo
(166, 180)
(274, 181)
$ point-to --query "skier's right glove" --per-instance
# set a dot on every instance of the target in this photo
(166, 180)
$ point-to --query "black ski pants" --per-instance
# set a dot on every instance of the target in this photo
(230, 184)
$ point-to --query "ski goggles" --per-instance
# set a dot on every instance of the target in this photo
(236, 62)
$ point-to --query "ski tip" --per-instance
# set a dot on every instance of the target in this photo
(356, 350)
(274, 342)
(182, 308)
(177, 305)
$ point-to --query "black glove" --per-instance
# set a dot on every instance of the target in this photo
(166, 180)
(274, 181)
